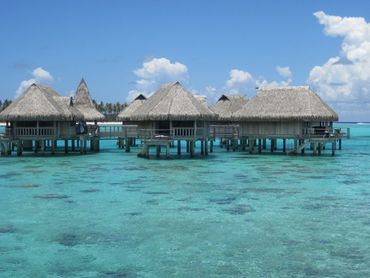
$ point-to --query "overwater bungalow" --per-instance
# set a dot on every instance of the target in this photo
(226, 127)
(173, 114)
(128, 132)
(40, 117)
(295, 113)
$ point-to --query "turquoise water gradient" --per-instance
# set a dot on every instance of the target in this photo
(232, 215)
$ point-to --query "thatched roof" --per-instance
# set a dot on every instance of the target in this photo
(286, 103)
(39, 102)
(202, 100)
(227, 105)
(172, 102)
(128, 110)
(84, 103)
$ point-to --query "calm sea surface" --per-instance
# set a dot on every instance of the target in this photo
(112, 214)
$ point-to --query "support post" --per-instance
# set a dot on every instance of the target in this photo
(272, 145)
(192, 146)
(178, 147)
(168, 146)
(333, 146)
(211, 146)
(259, 145)
(158, 153)
(251, 145)
(66, 146)
(53, 146)
(20, 148)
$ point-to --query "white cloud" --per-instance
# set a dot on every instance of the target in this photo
(346, 75)
(284, 71)
(238, 77)
(210, 92)
(161, 67)
(243, 82)
(39, 76)
(264, 83)
(154, 73)
(42, 75)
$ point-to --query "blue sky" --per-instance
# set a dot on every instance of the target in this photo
(125, 47)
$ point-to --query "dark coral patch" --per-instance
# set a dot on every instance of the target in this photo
(51, 196)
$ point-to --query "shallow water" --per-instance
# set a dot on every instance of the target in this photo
(232, 215)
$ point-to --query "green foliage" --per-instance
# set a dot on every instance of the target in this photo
(4, 104)
(110, 110)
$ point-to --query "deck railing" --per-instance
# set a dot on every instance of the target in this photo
(174, 133)
(118, 131)
(223, 131)
(34, 131)
(182, 132)
(325, 133)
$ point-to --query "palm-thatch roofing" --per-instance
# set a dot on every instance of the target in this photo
(84, 103)
(172, 102)
(42, 103)
(227, 105)
(125, 114)
(286, 103)
(202, 100)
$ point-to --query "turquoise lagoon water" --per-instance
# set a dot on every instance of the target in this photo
(231, 215)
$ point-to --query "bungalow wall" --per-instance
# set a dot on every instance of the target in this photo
(286, 129)
(66, 130)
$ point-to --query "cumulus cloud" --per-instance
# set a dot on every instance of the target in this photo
(238, 77)
(243, 82)
(345, 76)
(284, 71)
(210, 92)
(154, 73)
(39, 76)
(265, 83)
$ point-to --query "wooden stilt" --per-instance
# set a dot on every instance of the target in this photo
(81, 146)
(333, 147)
(272, 145)
(187, 146)
(66, 146)
(314, 149)
(284, 145)
(202, 147)
(20, 148)
(168, 146)
(178, 147)
(211, 146)
(53, 147)
(206, 147)
(251, 146)
(192, 146)
(36, 146)
(158, 153)
(340, 144)
(259, 145)
(264, 144)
